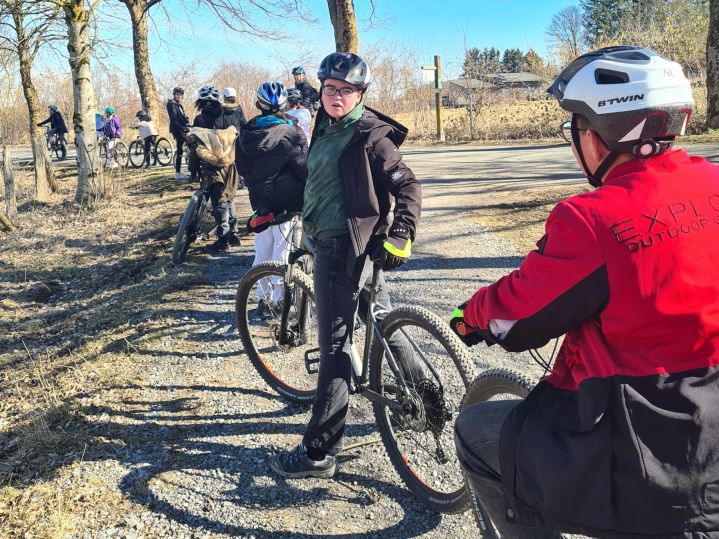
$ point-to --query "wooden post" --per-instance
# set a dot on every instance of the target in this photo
(438, 98)
(9, 179)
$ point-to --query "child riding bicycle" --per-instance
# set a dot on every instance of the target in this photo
(622, 438)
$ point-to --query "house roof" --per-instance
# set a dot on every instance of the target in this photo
(514, 78)
(471, 84)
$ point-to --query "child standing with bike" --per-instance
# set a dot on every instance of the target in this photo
(113, 132)
(355, 172)
(272, 157)
(148, 133)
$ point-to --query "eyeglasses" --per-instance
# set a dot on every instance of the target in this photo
(566, 130)
(344, 92)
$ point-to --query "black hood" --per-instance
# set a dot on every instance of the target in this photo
(257, 140)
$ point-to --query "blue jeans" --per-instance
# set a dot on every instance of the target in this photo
(476, 435)
(337, 297)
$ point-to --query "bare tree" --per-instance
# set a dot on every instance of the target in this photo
(564, 34)
(344, 22)
(91, 182)
(238, 16)
(138, 10)
(713, 66)
(27, 26)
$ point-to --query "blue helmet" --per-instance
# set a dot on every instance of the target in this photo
(299, 70)
(271, 97)
(52, 107)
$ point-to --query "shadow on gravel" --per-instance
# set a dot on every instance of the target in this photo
(463, 262)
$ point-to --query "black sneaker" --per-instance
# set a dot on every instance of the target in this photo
(234, 240)
(296, 464)
(220, 245)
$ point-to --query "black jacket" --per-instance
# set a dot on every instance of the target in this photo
(273, 160)
(56, 121)
(309, 95)
(215, 116)
(233, 116)
(374, 174)
(178, 118)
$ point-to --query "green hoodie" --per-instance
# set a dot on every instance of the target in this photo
(324, 206)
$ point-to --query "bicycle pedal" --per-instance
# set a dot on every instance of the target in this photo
(312, 364)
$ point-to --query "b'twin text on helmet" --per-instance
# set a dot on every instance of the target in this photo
(629, 95)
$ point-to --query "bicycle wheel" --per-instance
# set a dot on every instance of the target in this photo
(420, 439)
(121, 154)
(189, 227)
(494, 384)
(289, 368)
(136, 153)
(163, 151)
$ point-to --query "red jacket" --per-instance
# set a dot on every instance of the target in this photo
(623, 435)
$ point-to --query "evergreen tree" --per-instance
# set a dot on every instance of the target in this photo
(602, 19)
(478, 62)
(533, 62)
(513, 61)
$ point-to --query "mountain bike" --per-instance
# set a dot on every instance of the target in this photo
(54, 146)
(414, 406)
(119, 153)
(161, 152)
(191, 223)
(500, 384)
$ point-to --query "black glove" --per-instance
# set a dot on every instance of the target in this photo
(395, 250)
(467, 334)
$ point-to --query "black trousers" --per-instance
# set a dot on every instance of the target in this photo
(179, 142)
(149, 143)
(337, 297)
(476, 435)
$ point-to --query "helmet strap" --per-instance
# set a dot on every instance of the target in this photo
(595, 178)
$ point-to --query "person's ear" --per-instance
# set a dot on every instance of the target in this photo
(596, 146)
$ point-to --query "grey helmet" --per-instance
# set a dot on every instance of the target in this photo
(209, 93)
(347, 67)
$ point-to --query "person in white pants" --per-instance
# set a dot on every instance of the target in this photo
(273, 244)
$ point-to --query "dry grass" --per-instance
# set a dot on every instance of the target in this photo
(521, 121)
(79, 290)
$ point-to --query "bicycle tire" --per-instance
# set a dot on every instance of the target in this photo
(278, 365)
(163, 151)
(136, 153)
(187, 231)
(456, 363)
(487, 385)
(121, 154)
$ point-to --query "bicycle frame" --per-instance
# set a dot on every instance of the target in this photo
(373, 329)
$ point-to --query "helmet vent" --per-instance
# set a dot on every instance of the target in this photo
(608, 76)
(629, 55)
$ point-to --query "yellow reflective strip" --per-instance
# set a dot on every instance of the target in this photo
(402, 253)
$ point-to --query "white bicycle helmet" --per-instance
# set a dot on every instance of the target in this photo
(209, 92)
(229, 92)
(636, 100)
(271, 97)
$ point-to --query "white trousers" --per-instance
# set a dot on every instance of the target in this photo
(272, 244)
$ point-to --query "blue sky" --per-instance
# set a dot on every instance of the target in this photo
(427, 26)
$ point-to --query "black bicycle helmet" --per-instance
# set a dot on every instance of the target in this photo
(347, 67)
(294, 96)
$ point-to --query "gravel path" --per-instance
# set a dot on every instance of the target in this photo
(183, 452)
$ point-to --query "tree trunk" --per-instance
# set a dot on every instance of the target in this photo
(342, 15)
(9, 180)
(713, 66)
(43, 183)
(145, 80)
(45, 161)
(91, 182)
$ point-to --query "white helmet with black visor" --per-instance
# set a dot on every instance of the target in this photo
(636, 100)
